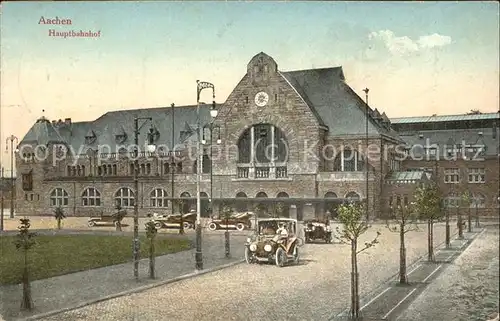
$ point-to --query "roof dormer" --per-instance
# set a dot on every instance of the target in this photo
(90, 137)
(120, 135)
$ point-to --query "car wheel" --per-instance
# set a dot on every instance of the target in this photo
(240, 227)
(295, 254)
(91, 224)
(280, 257)
(248, 255)
(158, 225)
(308, 240)
(186, 225)
(212, 226)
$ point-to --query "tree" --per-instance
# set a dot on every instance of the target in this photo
(352, 218)
(227, 213)
(118, 217)
(151, 233)
(59, 216)
(467, 201)
(25, 241)
(474, 112)
(428, 206)
(403, 219)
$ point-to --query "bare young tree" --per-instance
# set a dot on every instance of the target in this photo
(467, 201)
(181, 225)
(403, 219)
(24, 242)
(428, 207)
(354, 224)
(118, 217)
(151, 233)
(59, 216)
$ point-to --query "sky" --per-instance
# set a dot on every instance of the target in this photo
(417, 58)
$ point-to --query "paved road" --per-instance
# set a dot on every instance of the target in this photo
(313, 290)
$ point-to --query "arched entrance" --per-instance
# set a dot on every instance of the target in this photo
(282, 208)
(241, 202)
(185, 204)
(261, 209)
(205, 208)
(331, 205)
(353, 197)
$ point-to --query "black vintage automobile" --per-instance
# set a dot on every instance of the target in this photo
(317, 229)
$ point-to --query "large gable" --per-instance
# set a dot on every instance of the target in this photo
(336, 104)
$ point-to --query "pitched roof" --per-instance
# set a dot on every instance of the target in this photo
(444, 118)
(336, 104)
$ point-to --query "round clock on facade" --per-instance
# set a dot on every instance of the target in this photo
(261, 99)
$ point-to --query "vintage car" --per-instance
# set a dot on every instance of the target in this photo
(317, 229)
(270, 244)
(238, 221)
(173, 221)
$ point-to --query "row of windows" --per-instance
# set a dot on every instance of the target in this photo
(477, 200)
(124, 197)
(474, 175)
(158, 197)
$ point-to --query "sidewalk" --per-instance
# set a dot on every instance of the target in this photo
(391, 298)
(78, 289)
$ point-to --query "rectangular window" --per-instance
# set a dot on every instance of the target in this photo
(451, 175)
(477, 175)
(27, 181)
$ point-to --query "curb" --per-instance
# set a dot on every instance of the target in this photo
(409, 266)
(132, 291)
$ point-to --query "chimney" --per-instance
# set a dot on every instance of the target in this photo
(67, 121)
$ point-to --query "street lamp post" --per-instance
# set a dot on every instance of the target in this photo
(211, 127)
(200, 85)
(150, 148)
(366, 90)
(1, 200)
(12, 139)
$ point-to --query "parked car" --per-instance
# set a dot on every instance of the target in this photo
(317, 229)
(274, 241)
(238, 221)
(173, 221)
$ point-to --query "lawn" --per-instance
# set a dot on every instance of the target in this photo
(55, 255)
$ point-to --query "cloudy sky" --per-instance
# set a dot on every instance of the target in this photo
(416, 58)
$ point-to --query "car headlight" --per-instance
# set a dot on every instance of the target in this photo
(249, 240)
(253, 247)
(268, 248)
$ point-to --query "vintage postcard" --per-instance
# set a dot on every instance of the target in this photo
(249, 160)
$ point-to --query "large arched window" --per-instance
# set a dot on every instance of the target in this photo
(91, 197)
(59, 197)
(348, 160)
(124, 197)
(159, 198)
(261, 208)
(266, 143)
